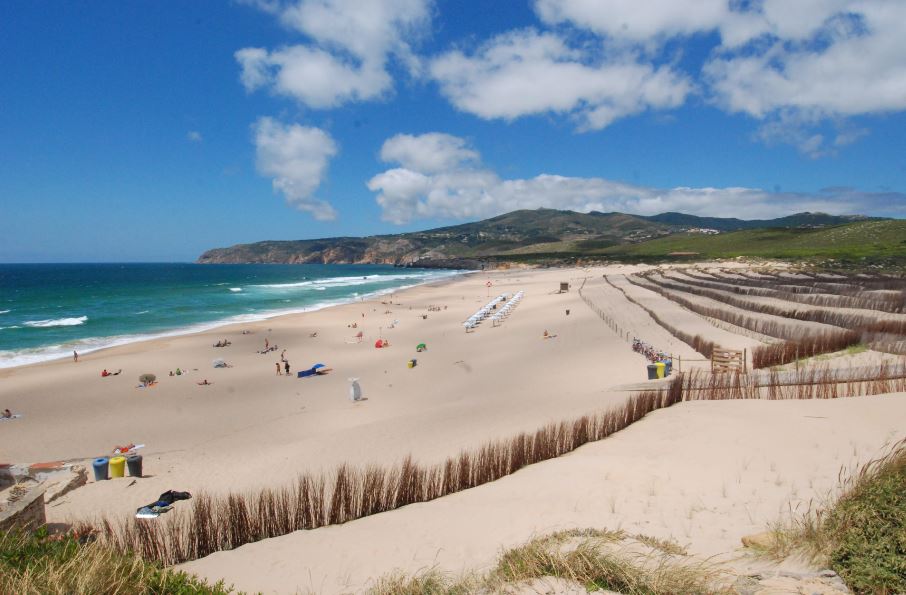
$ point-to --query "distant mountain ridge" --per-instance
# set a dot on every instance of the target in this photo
(514, 234)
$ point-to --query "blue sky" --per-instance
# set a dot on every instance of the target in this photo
(145, 131)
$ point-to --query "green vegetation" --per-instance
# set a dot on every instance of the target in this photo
(872, 241)
(37, 563)
(591, 558)
(862, 535)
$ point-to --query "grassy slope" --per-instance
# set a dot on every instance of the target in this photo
(869, 239)
(36, 563)
(861, 535)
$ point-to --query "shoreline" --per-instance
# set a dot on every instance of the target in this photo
(111, 342)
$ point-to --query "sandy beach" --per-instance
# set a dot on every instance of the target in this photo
(702, 474)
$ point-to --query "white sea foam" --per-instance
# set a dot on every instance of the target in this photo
(235, 289)
(3, 311)
(57, 322)
(10, 359)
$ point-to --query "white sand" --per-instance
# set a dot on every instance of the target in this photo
(702, 473)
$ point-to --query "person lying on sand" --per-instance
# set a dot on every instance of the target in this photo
(7, 414)
(313, 335)
(547, 335)
(204, 383)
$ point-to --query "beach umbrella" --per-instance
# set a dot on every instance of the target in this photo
(147, 378)
(420, 347)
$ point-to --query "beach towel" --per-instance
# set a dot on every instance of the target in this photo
(15, 416)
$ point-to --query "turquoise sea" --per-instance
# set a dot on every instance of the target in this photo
(47, 310)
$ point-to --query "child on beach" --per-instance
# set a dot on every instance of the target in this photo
(278, 369)
(286, 367)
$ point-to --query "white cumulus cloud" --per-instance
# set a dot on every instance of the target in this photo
(812, 63)
(527, 72)
(347, 58)
(427, 153)
(296, 157)
(467, 190)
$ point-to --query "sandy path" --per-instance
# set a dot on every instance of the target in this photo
(702, 473)
(252, 428)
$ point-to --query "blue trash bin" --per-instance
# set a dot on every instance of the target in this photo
(101, 468)
(669, 364)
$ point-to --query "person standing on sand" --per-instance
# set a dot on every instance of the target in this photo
(283, 356)
(75, 356)
(266, 344)
(286, 367)
(278, 369)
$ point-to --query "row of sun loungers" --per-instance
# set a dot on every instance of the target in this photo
(502, 313)
(484, 312)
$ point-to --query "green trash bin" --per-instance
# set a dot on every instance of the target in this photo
(661, 369)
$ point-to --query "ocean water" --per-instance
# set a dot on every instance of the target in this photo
(47, 310)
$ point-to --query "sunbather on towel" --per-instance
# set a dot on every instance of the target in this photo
(7, 414)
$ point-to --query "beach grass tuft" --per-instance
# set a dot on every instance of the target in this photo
(38, 563)
(861, 534)
(593, 559)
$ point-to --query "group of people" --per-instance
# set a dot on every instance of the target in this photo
(285, 363)
(222, 343)
(268, 347)
(105, 373)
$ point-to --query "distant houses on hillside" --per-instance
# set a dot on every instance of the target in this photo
(704, 230)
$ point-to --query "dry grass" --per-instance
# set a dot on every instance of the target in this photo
(589, 558)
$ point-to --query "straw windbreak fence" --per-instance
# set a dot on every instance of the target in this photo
(216, 523)
(833, 295)
(696, 342)
(224, 522)
(814, 382)
(867, 323)
(798, 344)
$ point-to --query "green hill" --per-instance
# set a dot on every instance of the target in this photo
(553, 235)
(873, 240)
